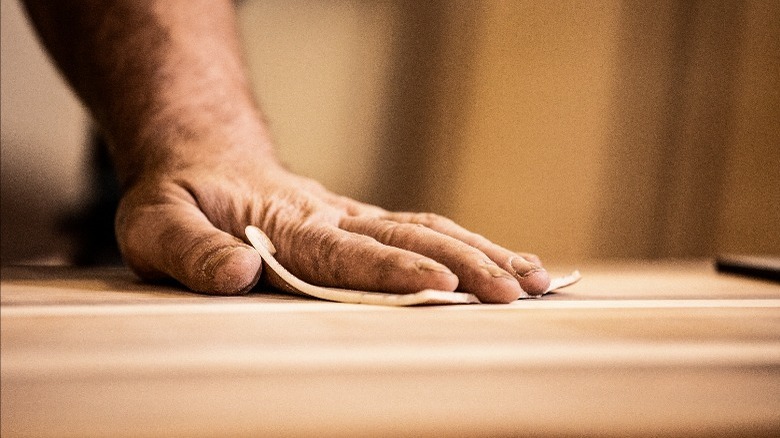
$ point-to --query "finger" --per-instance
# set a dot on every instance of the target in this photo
(353, 207)
(176, 240)
(477, 273)
(327, 256)
(526, 268)
(533, 258)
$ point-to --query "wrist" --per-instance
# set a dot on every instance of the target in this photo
(162, 148)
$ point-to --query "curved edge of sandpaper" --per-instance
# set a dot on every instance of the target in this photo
(265, 248)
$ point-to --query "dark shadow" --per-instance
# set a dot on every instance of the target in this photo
(27, 231)
(92, 226)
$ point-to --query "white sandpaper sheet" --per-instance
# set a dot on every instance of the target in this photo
(263, 245)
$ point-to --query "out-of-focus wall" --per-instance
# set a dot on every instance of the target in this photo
(694, 149)
(576, 129)
(749, 203)
(536, 125)
(623, 128)
(320, 70)
(42, 156)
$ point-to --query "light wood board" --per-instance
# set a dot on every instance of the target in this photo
(633, 349)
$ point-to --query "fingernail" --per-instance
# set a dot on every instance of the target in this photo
(430, 265)
(523, 267)
(494, 270)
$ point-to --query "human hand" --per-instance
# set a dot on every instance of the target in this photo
(181, 221)
(167, 85)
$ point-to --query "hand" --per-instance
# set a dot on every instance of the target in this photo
(181, 221)
(166, 82)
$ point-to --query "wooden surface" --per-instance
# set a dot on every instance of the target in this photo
(634, 349)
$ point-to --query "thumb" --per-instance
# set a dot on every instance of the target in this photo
(176, 240)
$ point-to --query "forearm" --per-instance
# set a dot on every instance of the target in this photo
(164, 79)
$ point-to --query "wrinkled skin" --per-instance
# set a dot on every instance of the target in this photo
(166, 82)
(184, 224)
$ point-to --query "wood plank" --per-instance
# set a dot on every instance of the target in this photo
(633, 349)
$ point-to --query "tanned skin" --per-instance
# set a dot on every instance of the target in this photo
(166, 82)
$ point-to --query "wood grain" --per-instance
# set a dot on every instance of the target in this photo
(634, 349)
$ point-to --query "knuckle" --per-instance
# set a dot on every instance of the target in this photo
(430, 220)
(398, 234)
(533, 258)
(389, 232)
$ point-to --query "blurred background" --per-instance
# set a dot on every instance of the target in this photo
(573, 129)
